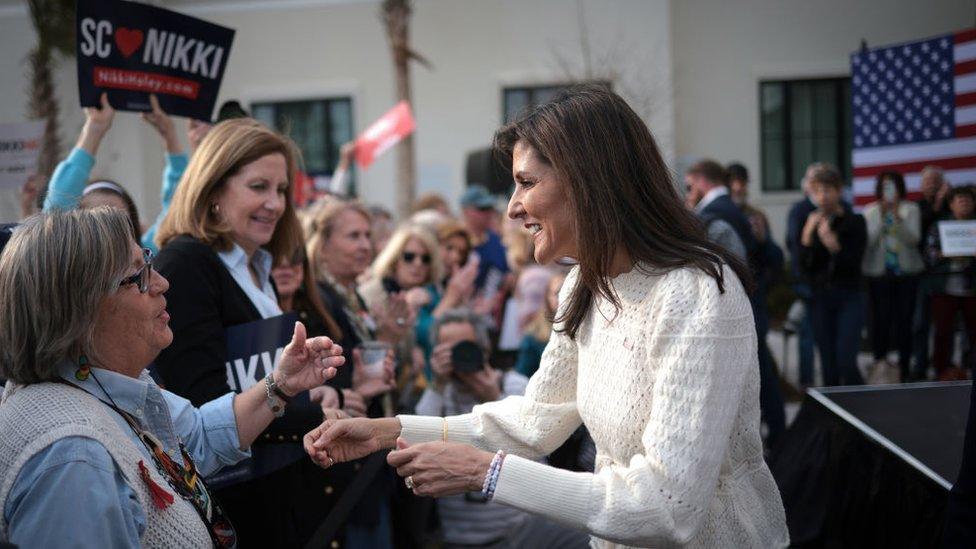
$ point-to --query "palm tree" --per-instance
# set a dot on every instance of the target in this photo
(396, 16)
(54, 22)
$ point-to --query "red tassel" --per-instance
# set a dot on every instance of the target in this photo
(161, 498)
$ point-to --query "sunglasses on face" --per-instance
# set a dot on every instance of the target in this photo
(144, 275)
(410, 257)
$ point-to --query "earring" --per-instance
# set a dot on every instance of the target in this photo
(215, 208)
(84, 370)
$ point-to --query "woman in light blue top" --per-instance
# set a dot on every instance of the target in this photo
(82, 313)
(69, 187)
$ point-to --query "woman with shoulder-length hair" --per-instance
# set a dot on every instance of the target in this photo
(892, 263)
(408, 267)
(230, 216)
(93, 452)
(653, 350)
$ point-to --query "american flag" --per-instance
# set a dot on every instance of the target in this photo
(914, 105)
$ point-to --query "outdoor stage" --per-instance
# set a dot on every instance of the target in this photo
(871, 466)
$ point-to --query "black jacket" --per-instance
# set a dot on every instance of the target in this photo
(824, 270)
(723, 208)
(203, 300)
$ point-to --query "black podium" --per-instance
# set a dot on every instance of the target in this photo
(871, 466)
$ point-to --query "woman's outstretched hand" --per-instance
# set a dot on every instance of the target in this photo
(338, 441)
(438, 469)
(307, 363)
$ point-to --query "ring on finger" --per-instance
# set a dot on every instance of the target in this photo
(409, 482)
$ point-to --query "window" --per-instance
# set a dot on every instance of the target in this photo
(318, 126)
(516, 99)
(803, 121)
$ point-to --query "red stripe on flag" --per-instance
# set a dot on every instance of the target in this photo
(965, 67)
(964, 36)
(966, 99)
(966, 131)
(864, 199)
(957, 163)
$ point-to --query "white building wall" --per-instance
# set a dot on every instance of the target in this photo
(291, 49)
(723, 49)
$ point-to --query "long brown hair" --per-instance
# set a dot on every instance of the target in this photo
(227, 148)
(620, 191)
(309, 297)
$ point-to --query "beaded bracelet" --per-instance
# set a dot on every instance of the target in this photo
(491, 478)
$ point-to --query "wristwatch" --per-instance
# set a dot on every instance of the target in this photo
(277, 399)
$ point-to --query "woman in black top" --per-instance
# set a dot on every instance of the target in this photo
(229, 217)
(340, 250)
(831, 249)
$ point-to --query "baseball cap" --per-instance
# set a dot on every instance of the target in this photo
(477, 196)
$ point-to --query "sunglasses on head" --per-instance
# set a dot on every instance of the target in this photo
(144, 275)
(410, 257)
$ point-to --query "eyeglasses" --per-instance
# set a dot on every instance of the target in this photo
(144, 275)
(410, 257)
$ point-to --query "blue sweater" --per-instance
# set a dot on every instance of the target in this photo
(71, 177)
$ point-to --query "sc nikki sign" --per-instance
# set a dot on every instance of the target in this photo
(131, 50)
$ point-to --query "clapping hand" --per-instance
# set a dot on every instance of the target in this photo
(394, 318)
(307, 363)
(370, 386)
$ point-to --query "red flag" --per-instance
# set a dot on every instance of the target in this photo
(393, 126)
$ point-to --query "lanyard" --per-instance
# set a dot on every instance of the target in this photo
(183, 479)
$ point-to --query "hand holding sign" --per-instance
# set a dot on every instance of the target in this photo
(163, 124)
(132, 49)
(97, 123)
(307, 363)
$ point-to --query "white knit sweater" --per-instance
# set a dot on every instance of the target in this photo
(669, 390)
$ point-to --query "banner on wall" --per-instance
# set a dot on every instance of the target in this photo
(20, 143)
(130, 50)
(389, 130)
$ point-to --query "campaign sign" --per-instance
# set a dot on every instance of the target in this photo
(130, 50)
(958, 238)
(20, 143)
(393, 126)
(253, 350)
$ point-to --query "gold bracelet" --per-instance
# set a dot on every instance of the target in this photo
(444, 434)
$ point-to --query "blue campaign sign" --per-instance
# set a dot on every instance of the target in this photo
(253, 350)
(131, 49)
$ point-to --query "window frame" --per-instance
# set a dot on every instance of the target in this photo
(327, 100)
(540, 86)
(842, 123)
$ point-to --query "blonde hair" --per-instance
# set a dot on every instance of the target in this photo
(320, 225)
(519, 246)
(385, 263)
(227, 148)
(54, 273)
(540, 327)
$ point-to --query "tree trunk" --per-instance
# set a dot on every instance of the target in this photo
(44, 106)
(396, 15)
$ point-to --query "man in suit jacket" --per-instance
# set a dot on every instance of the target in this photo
(707, 181)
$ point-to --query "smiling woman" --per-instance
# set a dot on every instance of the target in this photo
(653, 349)
(82, 313)
(230, 216)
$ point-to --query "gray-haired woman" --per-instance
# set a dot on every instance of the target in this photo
(81, 315)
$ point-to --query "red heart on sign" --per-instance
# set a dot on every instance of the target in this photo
(128, 40)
